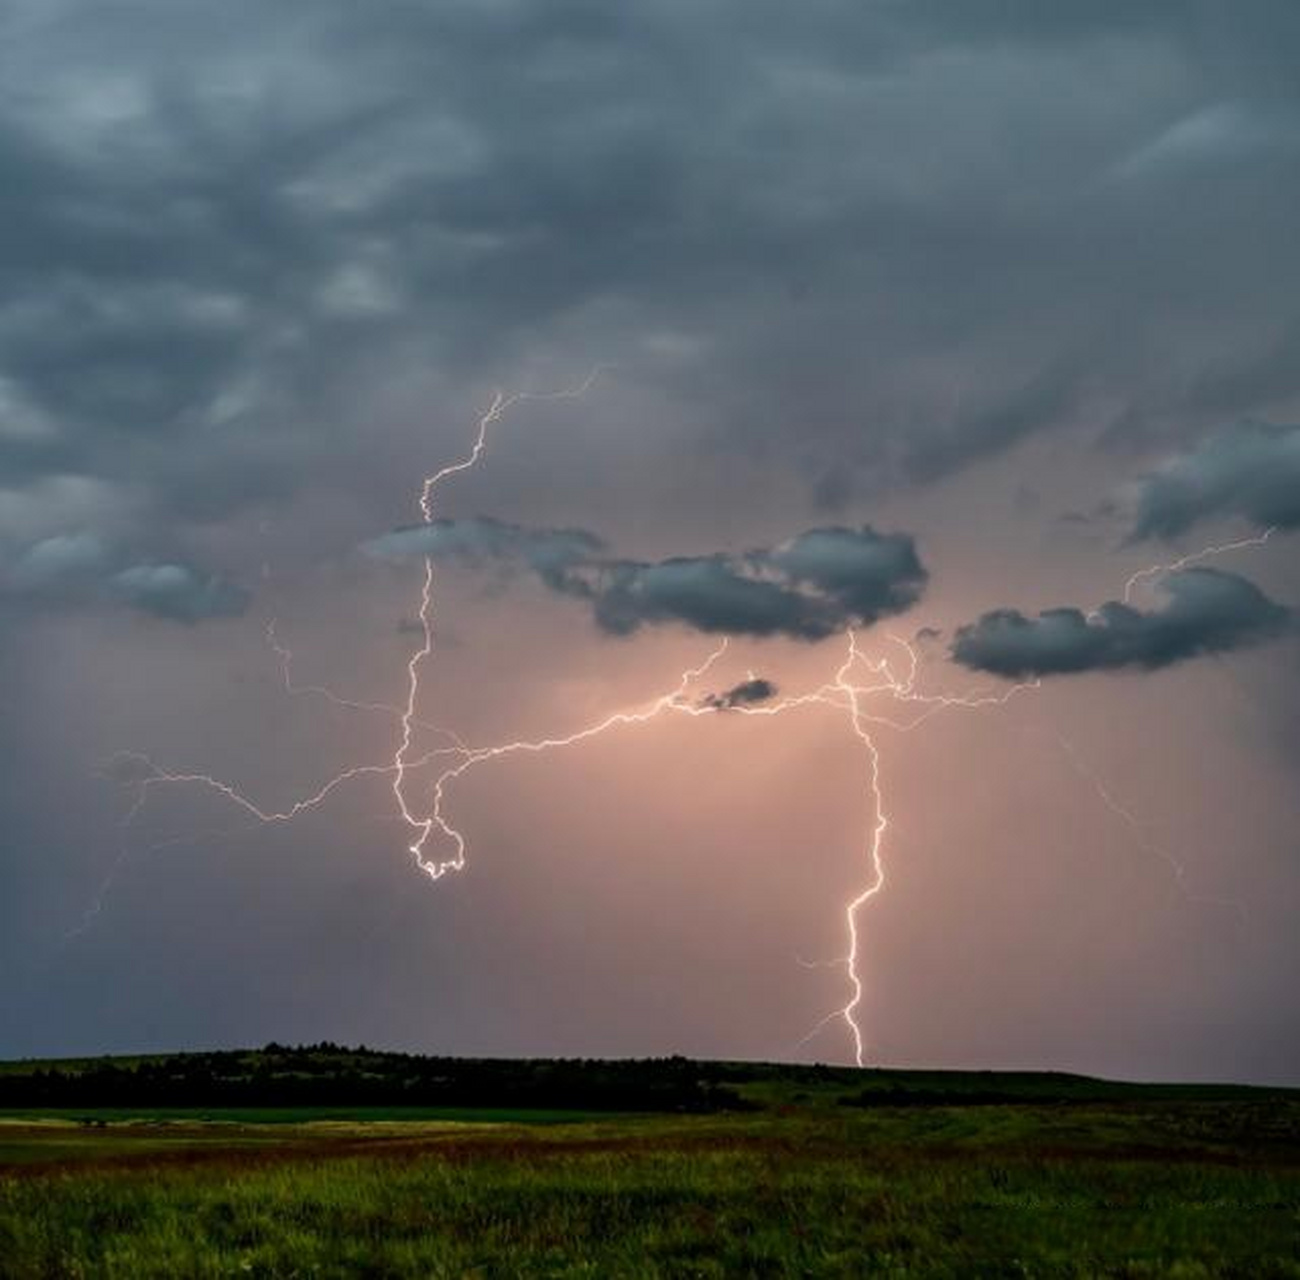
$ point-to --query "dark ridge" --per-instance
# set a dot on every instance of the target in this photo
(331, 1075)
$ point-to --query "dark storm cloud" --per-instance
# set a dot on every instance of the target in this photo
(1207, 611)
(83, 568)
(707, 593)
(1252, 471)
(61, 562)
(747, 693)
(868, 574)
(550, 553)
(808, 587)
(908, 237)
(179, 592)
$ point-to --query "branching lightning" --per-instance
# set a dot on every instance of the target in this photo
(871, 693)
(1141, 834)
(285, 655)
(1157, 571)
(421, 827)
(844, 693)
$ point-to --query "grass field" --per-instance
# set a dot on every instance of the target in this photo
(843, 1174)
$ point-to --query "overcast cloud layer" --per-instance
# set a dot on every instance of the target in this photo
(880, 241)
(960, 269)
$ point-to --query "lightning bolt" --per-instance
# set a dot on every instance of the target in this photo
(1177, 867)
(1157, 571)
(844, 693)
(852, 698)
(403, 763)
(285, 655)
(870, 693)
(501, 403)
(674, 700)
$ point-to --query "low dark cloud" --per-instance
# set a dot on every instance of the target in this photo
(84, 568)
(179, 592)
(1207, 611)
(549, 553)
(1252, 471)
(812, 586)
(808, 587)
(57, 564)
(747, 693)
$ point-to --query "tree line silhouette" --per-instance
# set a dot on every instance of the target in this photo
(326, 1074)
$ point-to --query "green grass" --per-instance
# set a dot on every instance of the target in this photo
(1126, 1186)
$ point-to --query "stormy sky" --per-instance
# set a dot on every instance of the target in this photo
(936, 320)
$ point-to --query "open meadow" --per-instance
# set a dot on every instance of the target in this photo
(780, 1172)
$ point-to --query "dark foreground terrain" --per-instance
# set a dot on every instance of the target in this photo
(339, 1162)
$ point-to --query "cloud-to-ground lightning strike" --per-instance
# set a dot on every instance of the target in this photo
(844, 693)
(863, 689)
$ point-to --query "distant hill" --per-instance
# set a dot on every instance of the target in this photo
(330, 1075)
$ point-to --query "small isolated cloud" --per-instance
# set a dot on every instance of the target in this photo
(66, 559)
(179, 592)
(746, 694)
(1252, 471)
(549, 553)
(80, 568)
(808, 587)
(1219, 132)
(1207, 611)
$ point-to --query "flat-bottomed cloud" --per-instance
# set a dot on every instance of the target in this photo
(1207, 611)
(809, 587)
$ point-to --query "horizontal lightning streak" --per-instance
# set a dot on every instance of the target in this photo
(672, 701)
(157, 775)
